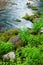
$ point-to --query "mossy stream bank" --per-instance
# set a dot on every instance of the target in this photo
(22, 43)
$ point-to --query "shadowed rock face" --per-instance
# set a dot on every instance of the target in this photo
(17, 42)
(41, 0)
(1, 0)
(2, 28)
(3, 4)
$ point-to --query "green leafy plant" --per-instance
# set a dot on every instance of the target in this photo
(29, 39)
(5, 47)
(24, 34)
(31, 50)
(29, 56)
(38, 24)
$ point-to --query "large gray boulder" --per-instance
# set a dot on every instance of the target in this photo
(41, 30)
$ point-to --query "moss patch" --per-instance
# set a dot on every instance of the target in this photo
(8, 34)
(18, 20)
(31, 18)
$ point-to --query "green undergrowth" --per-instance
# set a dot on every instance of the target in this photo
(31, 50)
(5, 47)
(38, 24)
(30, 56)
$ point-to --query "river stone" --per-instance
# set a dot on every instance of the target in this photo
(41, 0)
(32, 4)
(9, 56)
(18, 20)
(8, 34)
(31, 18)
(2, 28)
(16, 40)
(41, 30)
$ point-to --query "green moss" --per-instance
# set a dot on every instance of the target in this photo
(8, 34)
(26, 16)
(16, 41)
(38, 24)
(18, 20)
(1, 34)
(31, 18)
(5, 47)
(29, 56)
(34, 7)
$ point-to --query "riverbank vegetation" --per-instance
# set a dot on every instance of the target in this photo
(26, 43)
(30, 51)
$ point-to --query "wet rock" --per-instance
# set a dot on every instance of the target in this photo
(41, 0)
(33, 7)
(26, 16)
(41, 30)
(8, 34)
(31, 18)
(16, 41)
(31, 4)
(9, 56)
(18, 20)
(2, 28)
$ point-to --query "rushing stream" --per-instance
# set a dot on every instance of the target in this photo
(13, 10)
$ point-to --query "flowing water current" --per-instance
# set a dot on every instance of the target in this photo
(12, 10)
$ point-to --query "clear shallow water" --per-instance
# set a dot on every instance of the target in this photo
(10, 12)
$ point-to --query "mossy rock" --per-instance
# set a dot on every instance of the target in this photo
(40, 31)
(16, 41)
(31, 18)
(26, 16)
(1, 34)
(32, 32)
(34, 7)
(18, 20)
(0, 62)
(8, 34)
